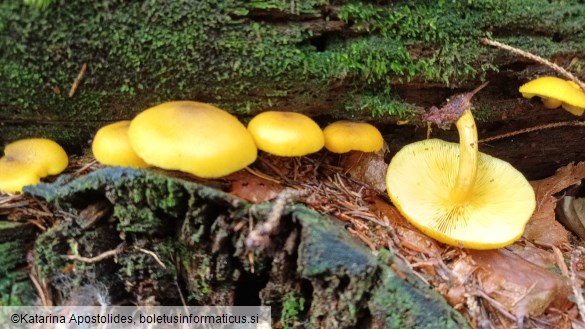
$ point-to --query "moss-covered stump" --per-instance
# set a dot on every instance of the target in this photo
(173, 241)
(15, 241)
(337, 58)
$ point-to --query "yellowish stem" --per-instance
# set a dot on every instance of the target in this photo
(468, 154)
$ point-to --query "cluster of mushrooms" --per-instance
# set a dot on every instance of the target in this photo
(208, 142)
(449, 191)
(192, 137)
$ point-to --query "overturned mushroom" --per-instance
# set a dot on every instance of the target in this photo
(457, 195)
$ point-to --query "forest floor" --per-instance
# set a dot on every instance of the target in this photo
(535, 283)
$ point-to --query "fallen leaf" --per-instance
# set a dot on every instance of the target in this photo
(543, 228)
(253, 188)
(382, 208)
(521, 286)
(571, 212)
(537, 256)
(369, 168)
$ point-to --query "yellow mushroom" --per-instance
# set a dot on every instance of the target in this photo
(575, 110)
(111, 146)
(344, 136)
(457, 195)
(26, 161)
(286, 133)
(192, 137)
(555, 92)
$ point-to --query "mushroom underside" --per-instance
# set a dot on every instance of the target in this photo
(421, 177)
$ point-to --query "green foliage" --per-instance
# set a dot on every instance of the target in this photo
(292, 308)
(290, 6)
(378, 105)
(40, 4)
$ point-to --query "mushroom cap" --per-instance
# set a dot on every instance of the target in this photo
(575, 110)
(111, 146)
(286, 133)
(419, 181)
(344, 136)
(14, 176)
(192, 137)
(555, 88)
(26, 161)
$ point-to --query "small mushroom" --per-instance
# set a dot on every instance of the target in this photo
(26, 161)
(192, 137)
(457, 195)
(286, 134)
(344, 136)
(111, 146)
(575, 110)
(555, 92)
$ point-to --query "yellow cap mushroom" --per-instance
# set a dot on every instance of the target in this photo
(286, 133)
(575, 110)
(26, 161)
(457, 195)
(192, 137)
(111, 146)
(344, 136)
(556, 92)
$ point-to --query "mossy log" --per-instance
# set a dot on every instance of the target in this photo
(176, 241)
(376, 60)
(16, 240)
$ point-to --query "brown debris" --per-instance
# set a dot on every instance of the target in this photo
(520, 286)
(369, 168)
(507, 288)
(543, 227)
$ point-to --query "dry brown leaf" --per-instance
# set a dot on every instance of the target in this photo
(571, 213)
(543, 227)
(522, 287)
(537, 256)
(382, 208)
(253, 188)
(369, 168)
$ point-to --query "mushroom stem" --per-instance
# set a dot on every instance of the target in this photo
(468, 154)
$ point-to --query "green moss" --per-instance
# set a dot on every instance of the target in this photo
(482, 112)
(292, 307)
(142, 53)
(378, 105)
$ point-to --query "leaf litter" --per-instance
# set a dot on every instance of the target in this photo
(534, 283)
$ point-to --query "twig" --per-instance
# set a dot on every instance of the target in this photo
(259, 237)
(77, 80)
(100, 257)
(535, 58)
(40, 290)
(575, 285)
(85, 167)
(575, 123)
(155, 256)
(180, 294)
(262, 175)
(498, 306)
